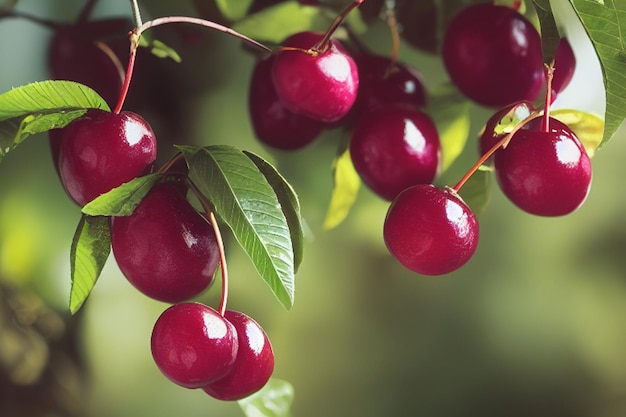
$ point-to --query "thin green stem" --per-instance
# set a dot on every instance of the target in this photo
(134, 4)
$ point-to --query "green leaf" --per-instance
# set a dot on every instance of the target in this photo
(161, 50)
(41, 106)
(346, 184)
(247, 203)
(588, 127)
(122, 200)
(90, 249)
(476, 192)
(273, 400)
(289, 204)
(605, 23)
(549, 32)
(233, 10)
(449, 110)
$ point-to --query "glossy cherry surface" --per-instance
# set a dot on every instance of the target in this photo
(430, 230)
(395, 147)
(166, 249)
(254, 364)
(322, 87)
(274, 124)
(544, 173)
(101, 150)
(193, 345)
(493, 54)
(500, 124)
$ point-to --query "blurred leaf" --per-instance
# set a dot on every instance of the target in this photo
(90, 249)
(346, 183)
(289, 204)
(605, 23)
(233, 10)
(41, 106)
(449, 110)
(122, 200)
(163, 51)
(549, 32)
(588, 127)
(477, 190)
(243, 198)
(273, 400)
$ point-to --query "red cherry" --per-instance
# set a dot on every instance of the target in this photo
(430, 230)
(395, 147)
(493, 54)
(166, 249)
(500, 124)
(273, 123)
(100, 151)
(322, 87)
(564, 67)
(254, 364)
(544, 173)
(193, 345)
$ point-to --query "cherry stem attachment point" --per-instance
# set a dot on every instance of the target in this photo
(392, 22)
(322, 45)
(502, 143)
(134, 40)
(546, 111)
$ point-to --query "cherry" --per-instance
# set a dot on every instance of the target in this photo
(430, 230)
(100, 151)
(274, 124)
(254, 363)
(383, 82)
(166, 249)
(193, 345)
(322, 85)
(395, 147)
(564, 66)
(547, 173)
(493, 55)
(500, 123)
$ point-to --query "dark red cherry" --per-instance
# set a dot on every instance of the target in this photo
(564, 66)
(544, 173)
(274, 124)
(493, 54)
(430, 230)
(395, 147)
(383, 82)
(193, 345)
(166, 249)
(501, 123)
(322, 87)
(101, 150)
(253, 366)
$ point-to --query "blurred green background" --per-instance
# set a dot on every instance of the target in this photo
(533, 325)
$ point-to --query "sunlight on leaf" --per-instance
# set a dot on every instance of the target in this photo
(346, 184)
(122, 200)
(588, 127)
(90, 249)
(273, 400)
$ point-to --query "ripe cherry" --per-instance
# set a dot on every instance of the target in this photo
(547, 173)
(564, 67)
(193, 345)
(493, 54)
(100, 151)
(166, 249)
(430, 230)
(253, 366)
(395, 147)
(323, 85)
(501, 123)
(272, 122)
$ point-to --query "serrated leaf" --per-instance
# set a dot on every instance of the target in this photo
(588, 127)
(247, 203)
(476, 192)
(605, 23)
(289, 204)
(449, 110)
(90, 249)
(346, 184)
(233, 10)
(41, 106)
(273, 400)
(122, 200)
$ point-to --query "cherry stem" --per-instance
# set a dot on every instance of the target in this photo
(502, 143)
(323, 43)
(134, 40)
(134, 4)
(546, 110)
(517, 4)
(392, 22)
(169, 164)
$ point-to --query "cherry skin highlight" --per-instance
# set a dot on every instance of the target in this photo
(395, 147)
(193, 345)
(274, 124)
(100, 151)
(544, 173)
(253, 366)
(165, 249)
(430, 230)
(322, 87)
(493, 54)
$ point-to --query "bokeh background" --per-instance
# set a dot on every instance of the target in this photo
(533, 325)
